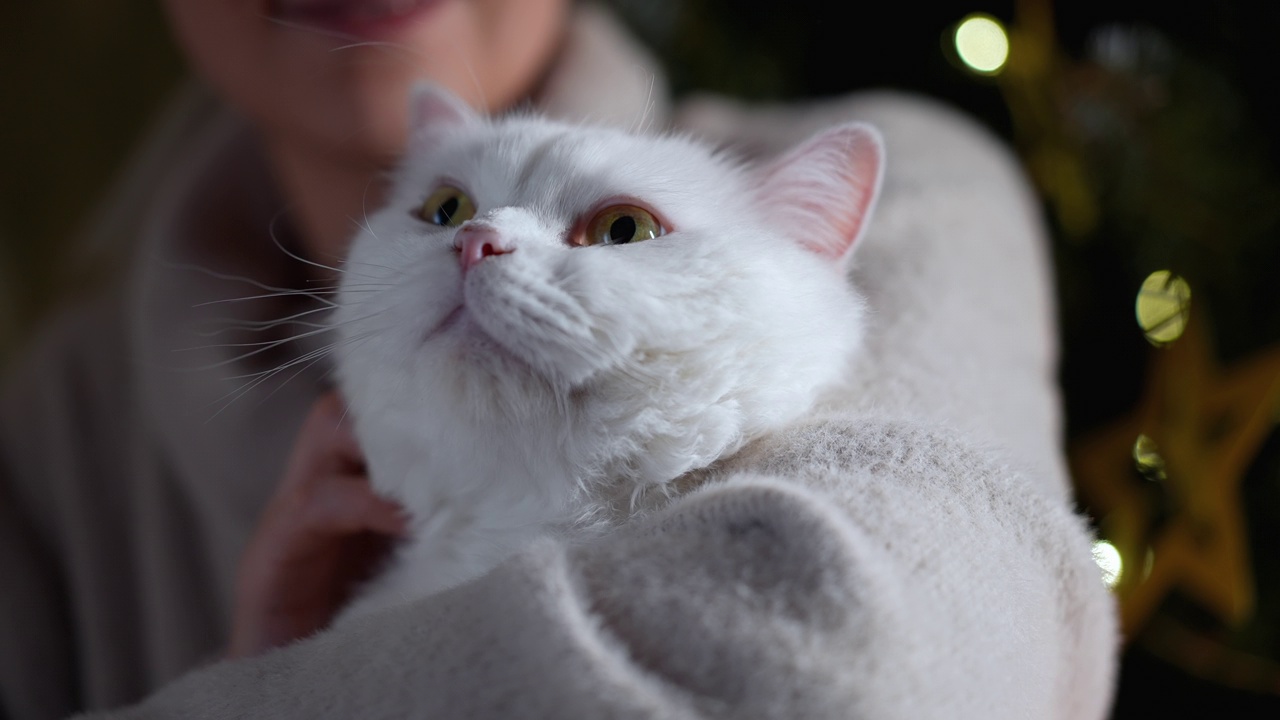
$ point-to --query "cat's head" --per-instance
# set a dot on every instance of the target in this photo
(644, 304)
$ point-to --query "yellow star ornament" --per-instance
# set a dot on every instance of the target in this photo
(1195, 432)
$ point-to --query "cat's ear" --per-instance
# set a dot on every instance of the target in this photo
(432, 106)
(825, 189)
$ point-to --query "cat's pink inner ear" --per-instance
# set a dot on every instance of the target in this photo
(825, 189)
(432, 106)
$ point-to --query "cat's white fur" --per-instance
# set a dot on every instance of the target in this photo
(545, 387)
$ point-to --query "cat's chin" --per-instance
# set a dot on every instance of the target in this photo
(463, 337)
(450, 320)
(465, 341)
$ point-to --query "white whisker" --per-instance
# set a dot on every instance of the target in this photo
(308, 359)
(239, 358)
(313, 294)
(374, 265)
(289, 379)
(276, 241)
(231, 397)
(237, 278)
(382, 45)
(246, 327)
(281, 341)
(300, 27)
(266, 324)
(262, 374)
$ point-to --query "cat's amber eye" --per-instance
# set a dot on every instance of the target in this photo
(621, 224)
(447, 207)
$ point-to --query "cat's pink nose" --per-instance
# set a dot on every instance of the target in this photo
(477, 242)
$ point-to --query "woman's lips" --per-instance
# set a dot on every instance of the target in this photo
(362, 18)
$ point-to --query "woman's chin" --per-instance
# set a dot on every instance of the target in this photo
(367, 20)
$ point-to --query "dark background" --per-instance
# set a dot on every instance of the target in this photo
(81, 78)
(1217, 133)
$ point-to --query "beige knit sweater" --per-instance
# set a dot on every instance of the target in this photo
(911, 552)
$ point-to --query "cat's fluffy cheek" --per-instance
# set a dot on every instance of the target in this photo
(397, 291)
(647, 298)
(735, 341)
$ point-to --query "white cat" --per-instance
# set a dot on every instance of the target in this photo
(548, 319)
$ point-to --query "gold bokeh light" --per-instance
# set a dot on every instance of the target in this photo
(1147, 459)
(982, 44)
(1109, 562)
(1162, 307)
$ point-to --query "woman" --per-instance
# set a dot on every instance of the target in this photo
(901, 568)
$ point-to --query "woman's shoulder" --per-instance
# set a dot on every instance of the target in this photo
(84, 338)
(920, 131)
(66, 389)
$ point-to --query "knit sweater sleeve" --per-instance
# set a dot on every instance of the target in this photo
(872, 569)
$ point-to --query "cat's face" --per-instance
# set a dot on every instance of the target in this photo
(639, 304)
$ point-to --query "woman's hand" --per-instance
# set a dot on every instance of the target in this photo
(321, 535)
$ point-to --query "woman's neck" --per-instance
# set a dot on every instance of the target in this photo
(328, 196)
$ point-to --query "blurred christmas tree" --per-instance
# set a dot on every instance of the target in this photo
(1141, 126)
(1153, 169)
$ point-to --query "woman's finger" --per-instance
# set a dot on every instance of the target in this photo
(333, 418)
(347, 505)
(325, 445)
